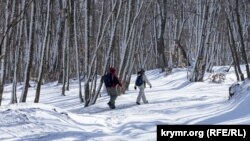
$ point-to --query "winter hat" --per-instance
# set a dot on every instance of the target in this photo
(112, 70)
(142, 70)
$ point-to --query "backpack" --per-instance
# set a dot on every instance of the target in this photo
(108, 81)
(139, 81)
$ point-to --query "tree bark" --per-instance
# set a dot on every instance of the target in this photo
(3, 50)
(41, 68)
(77, 54)
(160, 39)
(30, 55)
(243, 48)
(232, 45)
(17, 57)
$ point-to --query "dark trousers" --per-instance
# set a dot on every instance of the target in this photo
(113, 95)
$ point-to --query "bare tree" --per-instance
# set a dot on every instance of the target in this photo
(232, 45)
(204, 36)
(77, 53)
(240, 30)
(45, 43)
(30, 54)
(17, 54)
(65, 48)
(160, 38)
(86, 58)
(109, 49)
(3, 52)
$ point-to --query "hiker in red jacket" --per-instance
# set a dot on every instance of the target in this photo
(112, 82)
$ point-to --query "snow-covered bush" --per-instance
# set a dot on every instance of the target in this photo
(217, 77)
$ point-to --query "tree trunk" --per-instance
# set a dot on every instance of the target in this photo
(59, 43)
(109, 50)
(160, 40)
(234, 53)
(243, 48)
(17, 57)
(86, 60)
(30, 54)
(41, 68)
(65, 55)
(200, 64)
(3, 52)
(77, 54)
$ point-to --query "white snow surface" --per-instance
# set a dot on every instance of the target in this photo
(172, 100)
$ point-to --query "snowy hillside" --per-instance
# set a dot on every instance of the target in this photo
(172, 100)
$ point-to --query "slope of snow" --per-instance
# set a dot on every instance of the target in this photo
(172, 100)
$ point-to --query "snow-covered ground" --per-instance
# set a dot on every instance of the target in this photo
(172, 100)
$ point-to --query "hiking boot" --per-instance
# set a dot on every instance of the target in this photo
(138, 103)
(146, 102)
(111, 106)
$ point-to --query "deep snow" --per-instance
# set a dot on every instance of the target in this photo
(172, 100)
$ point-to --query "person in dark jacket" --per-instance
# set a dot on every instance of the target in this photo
(141, 94)
(112, 92)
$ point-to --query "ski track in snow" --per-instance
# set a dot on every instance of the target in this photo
(172, 100)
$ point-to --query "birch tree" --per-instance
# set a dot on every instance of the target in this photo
(3, 51)
(232, 45)
(77, 53)
(17, 54)
(86, 58)
(128, 43)
(30, 54)
(203, 36)
(160, 37)
(109, 49)
(240, 30)
(45, 43)
(65, 47)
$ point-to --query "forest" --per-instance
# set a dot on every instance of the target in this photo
(57, 40)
